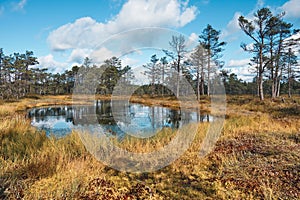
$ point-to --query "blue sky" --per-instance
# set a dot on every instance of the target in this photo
(61, 33)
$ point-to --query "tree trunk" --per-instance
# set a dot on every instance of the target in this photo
(260, 88)
(202, 87)
(257, 81)
(177, 86)
(274, 70)
(178, 76)
(290, 93)
(273, 89)
(208, 74)
(289, 74)
(163, 80)
(260, 73)
(202, 80)
(198, 84)
(278, 89)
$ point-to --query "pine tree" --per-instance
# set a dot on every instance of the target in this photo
(209, 40)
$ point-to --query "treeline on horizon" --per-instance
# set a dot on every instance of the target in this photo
(274, 66)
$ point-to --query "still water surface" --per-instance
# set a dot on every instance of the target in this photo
(115, 118)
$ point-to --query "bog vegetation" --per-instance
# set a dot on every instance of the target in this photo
(256, 157)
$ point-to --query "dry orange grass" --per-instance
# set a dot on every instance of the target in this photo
(256, 157)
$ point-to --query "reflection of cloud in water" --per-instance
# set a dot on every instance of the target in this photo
(55, 125)
(132, 119)
(61, 125)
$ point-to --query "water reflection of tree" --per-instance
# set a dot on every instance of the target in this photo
(104, 112)
(175, 118)
(202, 117)
(205, 118)
(39, 114)
(155, 117)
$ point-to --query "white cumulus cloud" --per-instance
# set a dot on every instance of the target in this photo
(292, 8)
(192, 40)
(53, 66)
(238, 63)
(243, 73)
(80, 34)
(241, 68)
(78, 55)
(101, 54)
(232, 26)
(88, 33)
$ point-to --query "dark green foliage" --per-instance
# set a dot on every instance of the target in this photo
(17, 80)
(159, 89)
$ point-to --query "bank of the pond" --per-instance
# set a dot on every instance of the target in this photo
(169, 102)
(116, 117)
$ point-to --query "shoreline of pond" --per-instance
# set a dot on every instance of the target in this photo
(47, 116)
(68, 100)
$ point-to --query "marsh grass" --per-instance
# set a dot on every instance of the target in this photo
(173, 102)
(256, 157)
(144, 145)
